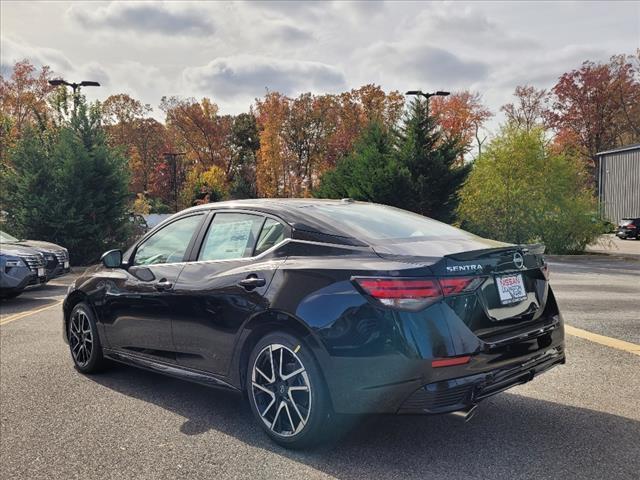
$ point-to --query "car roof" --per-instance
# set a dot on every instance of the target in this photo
(294, 211)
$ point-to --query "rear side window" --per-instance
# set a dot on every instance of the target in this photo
(231, 235)
(169, 244)
(272, 233)
(379, 223)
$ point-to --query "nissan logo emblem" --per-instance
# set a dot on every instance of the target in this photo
(518, 260)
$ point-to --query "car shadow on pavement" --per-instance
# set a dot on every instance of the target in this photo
(512, 436)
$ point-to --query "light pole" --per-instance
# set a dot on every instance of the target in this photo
(420, 93)
(75, 86)
(172, 157)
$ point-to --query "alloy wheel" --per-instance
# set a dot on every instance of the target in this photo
(80, 338)
(281, 390)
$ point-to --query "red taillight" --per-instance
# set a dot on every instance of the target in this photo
(416, 294)
(631, 225)
(450, 362)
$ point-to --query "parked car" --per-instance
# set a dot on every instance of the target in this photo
(318, 308)
(56, 257)
(20, 267)
(629, 228)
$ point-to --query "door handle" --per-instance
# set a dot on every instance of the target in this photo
(163, 285)
(252, 282)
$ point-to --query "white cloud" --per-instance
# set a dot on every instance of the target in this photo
(248, 75)
(145, 17)
(233, 51)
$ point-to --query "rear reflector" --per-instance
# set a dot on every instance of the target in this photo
(416, 293)
(450, 362)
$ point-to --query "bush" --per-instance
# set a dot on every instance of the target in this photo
(519, 191)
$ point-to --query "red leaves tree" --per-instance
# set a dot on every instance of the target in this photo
(461, 116)
(142, 138)
(597, 106)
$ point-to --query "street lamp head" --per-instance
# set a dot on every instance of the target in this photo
(89, 83)
(57, 82)
(440, 93)
(414, 92)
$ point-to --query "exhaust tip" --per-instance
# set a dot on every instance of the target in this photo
(466, 414)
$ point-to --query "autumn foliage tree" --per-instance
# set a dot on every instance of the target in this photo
(529, 109)
(23, 102)
(461, 116)
(302, 137)
(596, 106)
(142, 138)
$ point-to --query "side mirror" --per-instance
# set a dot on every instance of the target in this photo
(112, 259)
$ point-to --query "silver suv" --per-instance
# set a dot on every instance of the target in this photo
(19, 268)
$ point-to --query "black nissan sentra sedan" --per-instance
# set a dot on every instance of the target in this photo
(317, 309)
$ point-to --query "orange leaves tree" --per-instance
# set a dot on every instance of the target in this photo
(23, 101)
(461, 116)
(142, 138)
(302, 137)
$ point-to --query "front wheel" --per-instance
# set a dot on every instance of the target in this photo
(84, 343)
(287, 393)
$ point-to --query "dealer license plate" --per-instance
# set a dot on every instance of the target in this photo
(41, 272)
(511, 288)
(66, 264)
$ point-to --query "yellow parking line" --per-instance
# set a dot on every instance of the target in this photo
(602, 340)
(18, 316)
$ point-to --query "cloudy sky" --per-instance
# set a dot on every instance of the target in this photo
(233, 52)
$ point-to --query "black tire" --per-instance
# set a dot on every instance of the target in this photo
(84, 341)
(321, 423)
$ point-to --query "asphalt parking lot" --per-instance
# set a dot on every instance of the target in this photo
(578, 421)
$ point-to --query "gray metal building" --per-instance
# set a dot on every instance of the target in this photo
(619, 183)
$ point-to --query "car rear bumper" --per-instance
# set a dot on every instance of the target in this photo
(397, 384)
(460, 393)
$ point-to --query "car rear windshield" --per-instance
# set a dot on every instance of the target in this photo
(383, 224)
(626, 221)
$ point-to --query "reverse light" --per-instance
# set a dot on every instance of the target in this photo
(415, 293)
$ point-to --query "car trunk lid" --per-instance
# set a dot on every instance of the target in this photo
(513, 293)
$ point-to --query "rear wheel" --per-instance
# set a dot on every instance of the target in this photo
(84, 342)
(287, 393)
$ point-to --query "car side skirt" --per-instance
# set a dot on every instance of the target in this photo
(176, 371)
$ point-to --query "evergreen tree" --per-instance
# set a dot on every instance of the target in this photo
(69, 187)
(370, 172)
(431, 160)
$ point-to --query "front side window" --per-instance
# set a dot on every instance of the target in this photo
(231, 235)
(168, 245)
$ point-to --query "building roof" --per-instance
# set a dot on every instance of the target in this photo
(621, 149)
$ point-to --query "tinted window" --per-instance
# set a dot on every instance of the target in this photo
(378, 222)
(272, 233)
(168, 245)
(231, 235)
